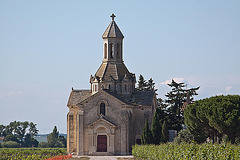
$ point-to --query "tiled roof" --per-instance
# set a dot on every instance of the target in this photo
(114, 70)
(77, 96)
(143, 98)
(112, 31)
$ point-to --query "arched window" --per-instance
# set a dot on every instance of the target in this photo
(105, 50)
(95, 88)
(118, 50)
(102, 109)
(111, 50)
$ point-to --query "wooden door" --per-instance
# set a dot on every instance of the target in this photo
(101, 143)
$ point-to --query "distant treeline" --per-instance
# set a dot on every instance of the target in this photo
(23, 134)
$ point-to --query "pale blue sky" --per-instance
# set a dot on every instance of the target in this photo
(46, 47)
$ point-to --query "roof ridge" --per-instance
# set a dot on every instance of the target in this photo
(112, 31)
(111, 24)
(105, 71)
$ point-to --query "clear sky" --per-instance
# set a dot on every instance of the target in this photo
(48, 47)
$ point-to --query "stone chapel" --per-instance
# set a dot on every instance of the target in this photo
(108, 119)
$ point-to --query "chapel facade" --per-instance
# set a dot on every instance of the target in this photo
(108, 119)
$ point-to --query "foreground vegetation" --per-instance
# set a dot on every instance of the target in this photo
(186, 151)
(30, 153)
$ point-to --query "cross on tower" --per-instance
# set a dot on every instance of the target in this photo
(113, 16)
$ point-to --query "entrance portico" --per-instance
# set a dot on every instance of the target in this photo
(101, 137)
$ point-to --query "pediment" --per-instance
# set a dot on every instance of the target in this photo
(102, 121)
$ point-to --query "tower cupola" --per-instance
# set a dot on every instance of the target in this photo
(112, 42)
(113, 75)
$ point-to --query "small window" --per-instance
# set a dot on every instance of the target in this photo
(111, 50)
(105, 50)
(95, 88)
(118, 50)
(125, 87)
(102, 109)
(109, 86)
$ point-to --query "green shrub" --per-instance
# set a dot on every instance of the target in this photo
(186, 151)
(10, 144)
(184, 136)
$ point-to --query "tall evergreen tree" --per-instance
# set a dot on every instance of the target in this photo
(146, 136)
(165, 134)
(150, 85)
(175, 98)
(56, 140)
(142, 84)
(156, 129)
(52, 138)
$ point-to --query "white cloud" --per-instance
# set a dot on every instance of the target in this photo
(227, 89)
(15, 93)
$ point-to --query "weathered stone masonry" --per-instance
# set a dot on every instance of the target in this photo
(108, 119)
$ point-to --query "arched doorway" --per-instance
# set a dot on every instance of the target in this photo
(101, 143)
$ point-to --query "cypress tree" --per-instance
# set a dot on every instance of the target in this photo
(165, 132)
(53, 137)
(156, 129)
(146, 136)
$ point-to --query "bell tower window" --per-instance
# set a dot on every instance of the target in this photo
(111, 50)
(118, 50)
(102, 109)
(105, 50)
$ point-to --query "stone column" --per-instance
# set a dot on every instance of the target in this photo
(80, 133)
(124, 131)
(91, 140)
(111, 144)
(70, 132)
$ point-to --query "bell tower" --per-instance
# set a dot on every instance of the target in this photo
(112, 42)
(113, 75)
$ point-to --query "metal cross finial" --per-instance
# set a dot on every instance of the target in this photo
(113, 16)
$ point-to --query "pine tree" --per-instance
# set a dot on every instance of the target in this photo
(150, 85)
(165, 133)
(146, 136)
(156, 129)
(141, 83)
(176, 97)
